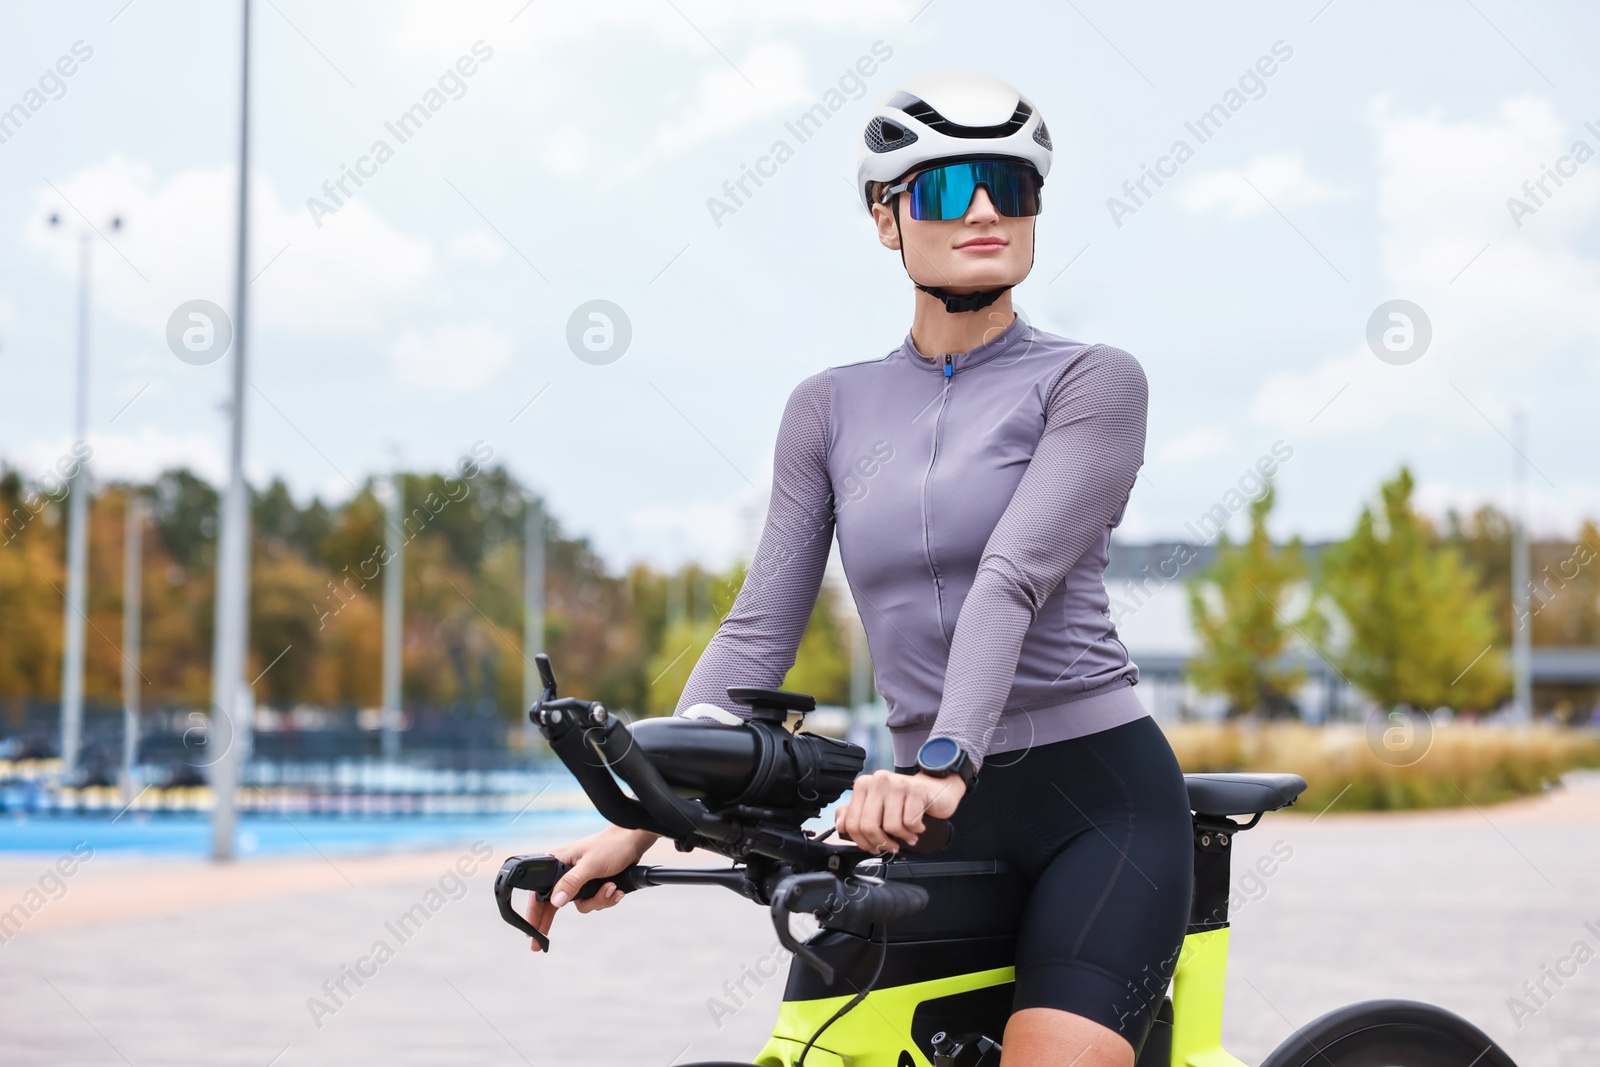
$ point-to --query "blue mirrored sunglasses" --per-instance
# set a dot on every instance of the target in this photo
(944, 193)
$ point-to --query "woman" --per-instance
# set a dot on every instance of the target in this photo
(973, 477)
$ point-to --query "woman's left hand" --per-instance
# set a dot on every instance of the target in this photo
(886, 808)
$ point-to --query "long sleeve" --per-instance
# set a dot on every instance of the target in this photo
(1075, 487)
(757, 641)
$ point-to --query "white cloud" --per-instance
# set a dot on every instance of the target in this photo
(1282, 179)
(445, 30)
(451, 357)
(568, 151)
(724, 101)
(1319, 399)
(476, 246)
(716, 532)
(137, 456)
(177, 244)
(1202, 443)
(1529, 294)
(1442, 200)
(709, 68)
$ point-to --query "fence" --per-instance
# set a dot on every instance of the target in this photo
(451, 764)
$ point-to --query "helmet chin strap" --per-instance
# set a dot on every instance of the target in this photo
(954, 303)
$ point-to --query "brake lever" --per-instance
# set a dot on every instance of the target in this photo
(539, 874)
(547, 674)
(804, 892)
(819, 892)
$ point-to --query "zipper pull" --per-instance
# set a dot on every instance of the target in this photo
(949, 366)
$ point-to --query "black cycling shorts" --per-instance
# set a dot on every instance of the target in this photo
(1099, 826)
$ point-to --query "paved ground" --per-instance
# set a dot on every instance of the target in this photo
(169, 962)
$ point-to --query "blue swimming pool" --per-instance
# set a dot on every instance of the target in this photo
(278, 835)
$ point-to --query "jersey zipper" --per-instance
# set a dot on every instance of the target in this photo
(933, 456)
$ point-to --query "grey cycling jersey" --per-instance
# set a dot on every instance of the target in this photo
(973, 496)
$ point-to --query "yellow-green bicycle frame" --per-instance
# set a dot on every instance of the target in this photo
(877, 1032)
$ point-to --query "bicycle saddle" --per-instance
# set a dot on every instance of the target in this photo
(1242, 794)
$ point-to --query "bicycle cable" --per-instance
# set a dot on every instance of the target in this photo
(883, 954)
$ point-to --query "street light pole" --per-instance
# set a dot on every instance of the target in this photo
(233, 547)
(78, 488)
(393, 608)
(1522, 631)
(77, 541)
(132, 590)
(533, 538)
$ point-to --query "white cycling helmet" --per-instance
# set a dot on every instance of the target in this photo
(951, 114)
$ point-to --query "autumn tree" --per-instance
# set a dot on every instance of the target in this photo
(1239, 611)
(316, 589)
(1563, 579)
(822, 661)
(30, 607)
(1421, 626)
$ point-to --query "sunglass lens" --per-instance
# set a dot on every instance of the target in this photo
(945, 193)
(1014, 188)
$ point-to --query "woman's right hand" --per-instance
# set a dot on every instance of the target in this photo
(601, 855)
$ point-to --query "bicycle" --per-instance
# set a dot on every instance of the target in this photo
(938, 987)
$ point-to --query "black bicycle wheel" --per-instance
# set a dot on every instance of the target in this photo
(1389, 1033)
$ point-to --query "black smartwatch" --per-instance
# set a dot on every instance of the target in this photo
(942, 757)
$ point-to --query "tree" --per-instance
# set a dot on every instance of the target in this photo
(683, 643)
(186, 518)
(1421, 625)
(30, 604)
(822, 662)
(1238, 609)
(285, 635)
(679, 641)
(316, 601)
(275, 516)
(1564, 603)
(1564, 578)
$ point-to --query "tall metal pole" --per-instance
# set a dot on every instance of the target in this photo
(132, 589)
(393, 608)
(532, 612)
(233, 549)
(1522, 631)
(77, 544)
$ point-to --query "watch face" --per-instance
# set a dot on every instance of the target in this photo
(939, 753)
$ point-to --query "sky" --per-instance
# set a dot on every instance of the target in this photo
(574, 153)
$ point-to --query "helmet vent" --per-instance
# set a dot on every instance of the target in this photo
(924, 112)
(1042, 135)
(886, 135)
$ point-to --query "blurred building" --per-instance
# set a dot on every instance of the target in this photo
(1149, 594)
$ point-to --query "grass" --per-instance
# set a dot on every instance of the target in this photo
(1483, 764)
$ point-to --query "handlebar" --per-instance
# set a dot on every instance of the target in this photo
(860, 897)
(855, 898)
(936, 834)
(776, 861)
(539, 874)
